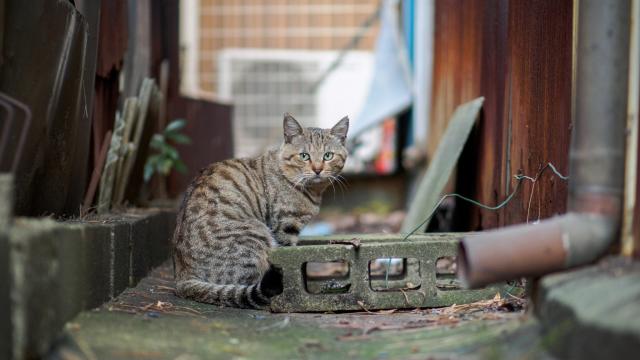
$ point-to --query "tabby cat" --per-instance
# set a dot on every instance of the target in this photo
(238, 209)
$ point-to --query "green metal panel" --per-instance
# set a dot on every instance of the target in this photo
(442, 165)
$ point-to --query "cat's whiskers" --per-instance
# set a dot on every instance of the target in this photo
(341, 180)
(333, 187)
(346, 183)
(338, 181)
(299, 179)
(303, 179)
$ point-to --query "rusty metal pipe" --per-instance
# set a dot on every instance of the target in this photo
(596, 165)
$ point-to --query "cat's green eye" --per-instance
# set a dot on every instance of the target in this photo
(328, 156)
(305, 156)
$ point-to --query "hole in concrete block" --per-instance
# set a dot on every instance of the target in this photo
(446, 278)
(404, 274)
(378, 268)
(327, 277)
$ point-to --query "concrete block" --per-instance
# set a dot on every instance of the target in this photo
(6, 200)
(120, 246)
(61, 268)
(420, 251)
(35, 294)
(162, 224)
(5, 301)
(592, 312)
(120, 229)
(84, 257)
(150, 242)
(6, 210)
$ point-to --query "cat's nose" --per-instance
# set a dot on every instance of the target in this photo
(317, 171)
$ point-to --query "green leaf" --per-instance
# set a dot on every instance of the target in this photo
(170, 152)
(157, 140)
(164, 147)
(153, 159)
(164, 166)
(148, 171)
(179, 138)
(175, 125)
(180, 166)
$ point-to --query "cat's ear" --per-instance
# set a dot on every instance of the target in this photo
(340, 129)
(291, 127)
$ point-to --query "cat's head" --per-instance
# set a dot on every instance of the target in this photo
(313, 156)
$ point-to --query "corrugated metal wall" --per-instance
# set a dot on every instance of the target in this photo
(518, 55)
(44, 61)
(65, 63)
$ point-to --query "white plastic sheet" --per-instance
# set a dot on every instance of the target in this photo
(391, 89)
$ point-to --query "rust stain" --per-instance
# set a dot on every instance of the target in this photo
(113, 36)
(456, 63)
(540, 59)
(518, 55)
(636, 214)
(209, 127)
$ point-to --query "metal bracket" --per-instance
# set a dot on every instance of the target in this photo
(355, 290)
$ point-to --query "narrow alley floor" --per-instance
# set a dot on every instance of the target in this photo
(151, 322)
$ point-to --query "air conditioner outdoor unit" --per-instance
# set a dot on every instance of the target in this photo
(262, 84)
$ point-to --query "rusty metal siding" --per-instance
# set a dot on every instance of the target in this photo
(636, 213)
(209, 127)
(112, 45)
(456, 63)
(45, 49)
(518, 55)
(208, 123)
(540, 38)
(113, 36)
(490, 135)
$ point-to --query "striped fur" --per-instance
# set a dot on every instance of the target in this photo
(236, 210)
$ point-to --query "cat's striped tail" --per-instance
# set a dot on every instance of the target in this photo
(255, 296)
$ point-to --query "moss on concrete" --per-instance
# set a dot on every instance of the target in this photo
(593, 312)
(150, 322)
(247, 334)
(358, 250)
(61, 268)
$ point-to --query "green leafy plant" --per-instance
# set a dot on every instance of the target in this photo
(166, 156)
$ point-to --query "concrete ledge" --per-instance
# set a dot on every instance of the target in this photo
(5, 302)
(61, 268)
(593, 312)
(6, 206)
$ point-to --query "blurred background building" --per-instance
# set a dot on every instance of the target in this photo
(275, 56)
(314, 59)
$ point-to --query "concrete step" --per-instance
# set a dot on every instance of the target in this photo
(593, 312)
(58, 269)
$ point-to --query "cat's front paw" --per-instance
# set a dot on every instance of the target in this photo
(287, 239)
(288, 235)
